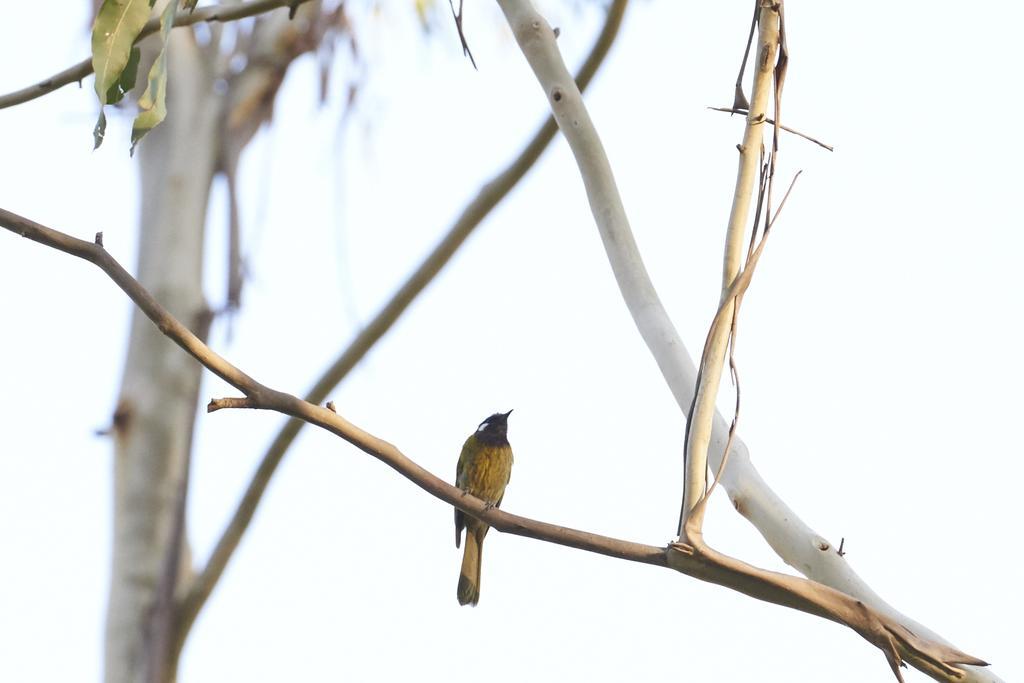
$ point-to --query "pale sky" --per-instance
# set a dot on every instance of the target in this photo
(878, 350)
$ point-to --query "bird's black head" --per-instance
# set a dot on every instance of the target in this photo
(494, 430)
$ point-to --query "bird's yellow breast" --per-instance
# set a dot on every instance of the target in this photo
(484, 470)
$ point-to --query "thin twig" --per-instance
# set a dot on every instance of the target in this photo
(222, 13)
(739, 99)
(727, 110)
(462, 35)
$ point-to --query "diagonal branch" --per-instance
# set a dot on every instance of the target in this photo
(787, 534)
(263, 397)
(457, 16)
(488, 197)
(693, 559)
(73, 74)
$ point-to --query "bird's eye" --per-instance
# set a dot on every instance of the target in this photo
(483, 426)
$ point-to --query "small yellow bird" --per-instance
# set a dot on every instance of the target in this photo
(485, 466)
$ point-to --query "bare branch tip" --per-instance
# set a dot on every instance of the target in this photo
(99, 238)
(216, 404)
(330, 406)
(466, 52)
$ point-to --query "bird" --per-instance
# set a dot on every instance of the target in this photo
(485, 466)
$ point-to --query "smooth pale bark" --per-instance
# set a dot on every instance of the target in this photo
(204, 133)
(159, 390)
(795, 542)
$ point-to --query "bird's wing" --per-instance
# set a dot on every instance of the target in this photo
(460, 469)
(464, 457)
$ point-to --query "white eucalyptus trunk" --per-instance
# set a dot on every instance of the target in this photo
(159, 390)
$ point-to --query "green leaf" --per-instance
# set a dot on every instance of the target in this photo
(127, 80)
(153, 103)
(117, 25)
(99, 131)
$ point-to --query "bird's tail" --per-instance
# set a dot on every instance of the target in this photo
(469, 577)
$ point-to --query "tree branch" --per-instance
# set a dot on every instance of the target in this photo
(694, 559)
(266, 398)
(488, 197)
(733, 294)
(701, 422)
(786, 533)
(221, 13)
(897, 642)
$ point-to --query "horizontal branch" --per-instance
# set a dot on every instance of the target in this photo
(693, 559)
(73, 74)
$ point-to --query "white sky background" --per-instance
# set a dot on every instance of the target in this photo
(879, 352)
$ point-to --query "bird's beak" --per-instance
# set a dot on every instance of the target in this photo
(507, 414)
